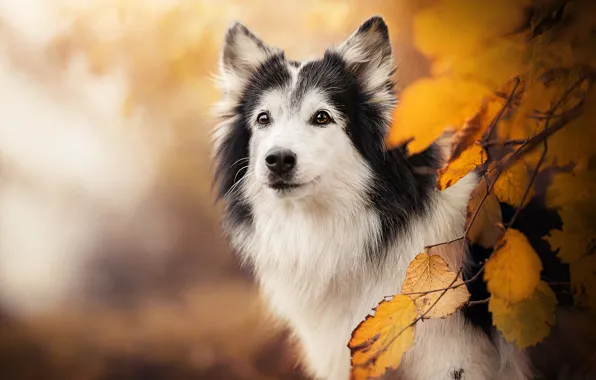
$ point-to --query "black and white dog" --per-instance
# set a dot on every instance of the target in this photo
(327, 217)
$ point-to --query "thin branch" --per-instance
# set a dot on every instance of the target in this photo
(479, 302)
(532, 180)
(503, 143)
(497, 118)
(444, 243)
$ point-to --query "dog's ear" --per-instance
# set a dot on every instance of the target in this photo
(242, 53)
(368, 53)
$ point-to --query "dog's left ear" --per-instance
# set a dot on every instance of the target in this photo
(242, 54)
(368, 53)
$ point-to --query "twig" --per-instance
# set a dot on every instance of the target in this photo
(532, 180)
(497, 118)
(503, 143)
(479, 302)
(444, 243)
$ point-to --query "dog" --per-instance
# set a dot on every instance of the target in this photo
(328, 218)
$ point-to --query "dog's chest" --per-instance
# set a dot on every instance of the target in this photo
(305, 241)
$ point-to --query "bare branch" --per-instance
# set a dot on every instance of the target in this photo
(444, 243)
(479, 302)
(503, 143)
(497, 118)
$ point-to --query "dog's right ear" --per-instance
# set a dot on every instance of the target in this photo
(242, 53)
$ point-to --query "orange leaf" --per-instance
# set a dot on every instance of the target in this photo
(380, 341)
(461, 27)
(472, 130)
(512, 184)
(465, 163)
(575, 142)
(428, 106)
(430, 272)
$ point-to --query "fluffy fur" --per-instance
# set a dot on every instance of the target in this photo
(334, 235)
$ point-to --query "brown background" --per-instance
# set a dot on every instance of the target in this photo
(112, 263)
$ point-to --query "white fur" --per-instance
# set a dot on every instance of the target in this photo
(308, 256)
(308, 248)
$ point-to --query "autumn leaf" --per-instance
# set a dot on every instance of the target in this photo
(573, 196)
(583, 281)
(430, 272)
(578, 235)
(485, 229)
(534, 98)
(513, 271)
(474, 128)
(428, 106)
(573, 144)
(527, 322)
(569, 188)
(465, 163)
(380, 341)
(486, 66)
(460, 27)
(570, 246)
(512, 184)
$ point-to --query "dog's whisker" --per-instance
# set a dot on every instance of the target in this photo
(236, 183)
(243, 159)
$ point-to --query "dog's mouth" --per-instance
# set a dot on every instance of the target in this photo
(284, 186)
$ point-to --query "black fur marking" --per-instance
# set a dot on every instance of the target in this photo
(457, 374)
(232, 156)
(378, 24)
(397, 193)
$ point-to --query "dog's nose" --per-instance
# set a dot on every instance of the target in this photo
(280, 161)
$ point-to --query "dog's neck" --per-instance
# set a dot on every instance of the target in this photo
(317, 248)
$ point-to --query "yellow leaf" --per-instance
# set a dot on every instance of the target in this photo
(571, 246)
(583, 281)
(573, 195)
(569, 188)
(535, 97)
(474, 128)
(485, 229)
(513, 271)
(574, 142)
(512, 184)
(578, 235)
(460, 27)
(527, 322)
(430, 272)
(428, 106)
(465, 163)
(380, 341)
(487, 66)
(549, 52)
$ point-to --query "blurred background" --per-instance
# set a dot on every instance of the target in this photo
(112, 261)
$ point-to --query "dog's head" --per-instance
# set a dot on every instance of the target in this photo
(295, 130)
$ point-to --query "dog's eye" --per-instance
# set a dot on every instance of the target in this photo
(322, 118)
(263, 118)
